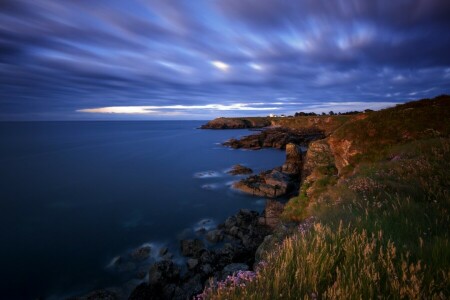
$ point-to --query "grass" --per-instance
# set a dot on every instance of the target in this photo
(382, 227)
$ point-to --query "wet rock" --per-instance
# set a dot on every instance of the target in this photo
(141, 253)
(102, 294)
(163, 251)
(163, 272)
(192, 263)
(168, 256)
(206, 269)
(214, 236)
(144, 291)
(193, 286)
(191, 247)
(245, 234)
(240, 170)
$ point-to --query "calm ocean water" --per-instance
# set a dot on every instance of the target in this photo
(74, 195)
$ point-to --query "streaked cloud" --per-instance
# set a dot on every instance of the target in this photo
(57, 57)
(220, 65)
(159, 109)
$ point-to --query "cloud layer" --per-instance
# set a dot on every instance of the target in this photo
(195, 59)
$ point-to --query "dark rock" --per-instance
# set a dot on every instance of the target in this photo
(240, 170)
(168, 256)
(192, 263)
(230, 222)
(214, 236)
(193, 286)
(163, 251)
(207, 257)
(191, 247)
(245, 234)
(141, 253)
(163, 272)
(99, 295)
(206, 269)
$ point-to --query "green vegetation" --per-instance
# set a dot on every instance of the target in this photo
(383, 222)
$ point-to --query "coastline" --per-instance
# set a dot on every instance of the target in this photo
(332, 179)
(235, 245)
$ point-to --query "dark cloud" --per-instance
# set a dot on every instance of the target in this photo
(57, 57)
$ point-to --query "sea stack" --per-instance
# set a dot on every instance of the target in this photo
(294, 160)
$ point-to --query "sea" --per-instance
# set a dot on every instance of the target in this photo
(75, 196)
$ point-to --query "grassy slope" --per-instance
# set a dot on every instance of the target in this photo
(383, 227)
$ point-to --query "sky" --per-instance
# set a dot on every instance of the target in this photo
(200, 59)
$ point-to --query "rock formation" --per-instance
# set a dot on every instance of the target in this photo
(294, 161)
(276, 138)
(236, 123)
(240, 170)
(277, 182)
(271, 184)
(242, 234)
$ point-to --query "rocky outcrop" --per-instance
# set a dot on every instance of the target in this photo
(319, 154)
(141, 253)
(277, 182)
(240, 170)
(272, 213)
(276, 138)
(271, 184)
(236, 123)
(242, 234)
(294, 161)
(191, 247)
(343, 150)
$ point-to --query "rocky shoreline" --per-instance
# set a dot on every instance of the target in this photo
(216, 253)
(234, 245)
(277, 137)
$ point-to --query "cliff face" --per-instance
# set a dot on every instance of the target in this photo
(323, 124)
(236, 123)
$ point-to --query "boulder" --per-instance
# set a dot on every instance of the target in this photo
(102, 294)
(163, 251)
(192, 263)
(240, 170)
(214, 236)
(141, 253)
(163, 272)
(191, 247)
(271, 184)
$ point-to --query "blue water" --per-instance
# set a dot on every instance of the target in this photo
(73, 195)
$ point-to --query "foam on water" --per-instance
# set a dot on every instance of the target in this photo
(207, 174)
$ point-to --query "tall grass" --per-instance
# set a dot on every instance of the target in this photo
(342, 263)
(383, 229)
